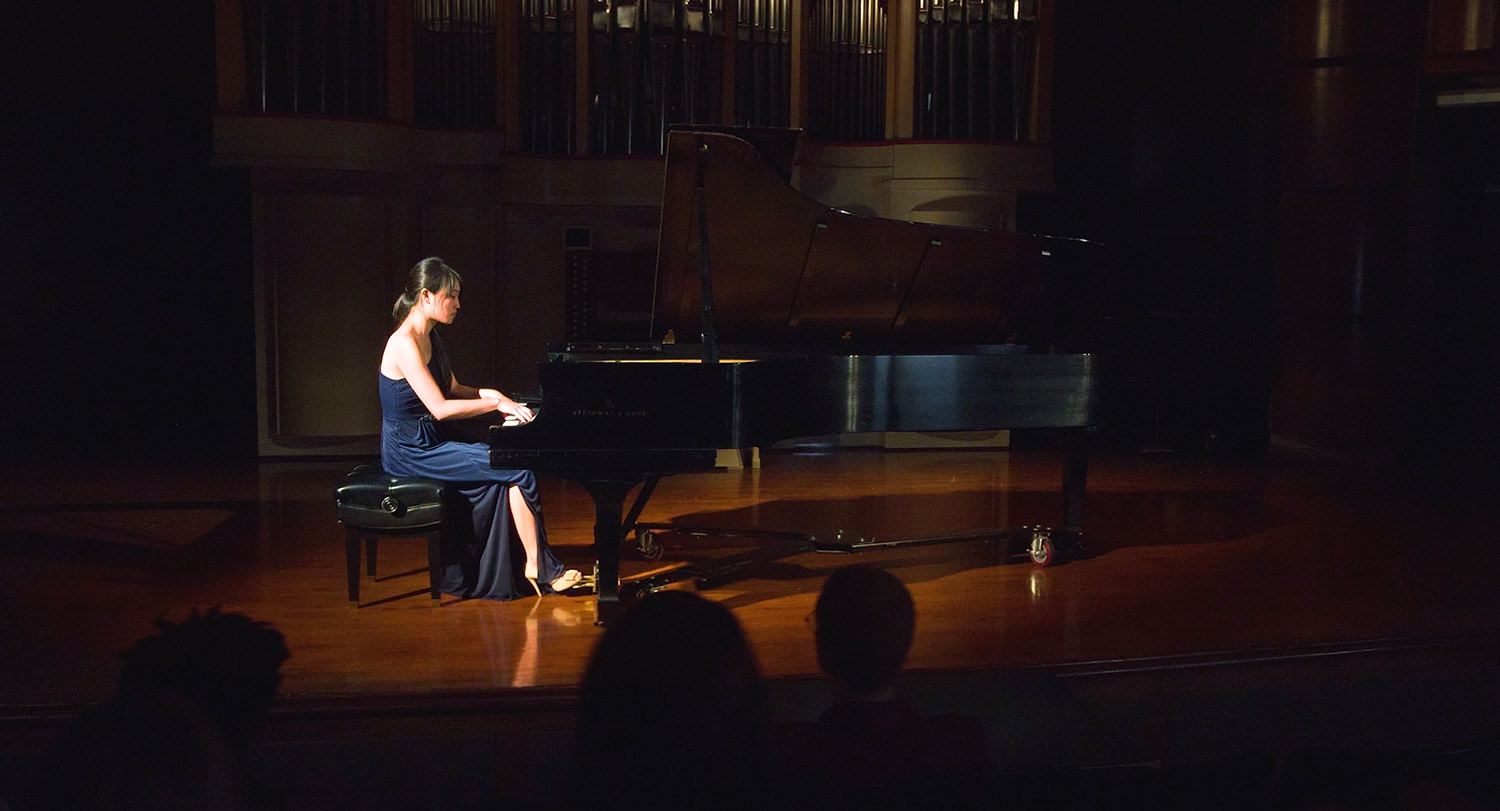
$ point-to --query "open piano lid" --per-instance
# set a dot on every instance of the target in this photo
(787, 270)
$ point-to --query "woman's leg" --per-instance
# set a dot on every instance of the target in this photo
(525, 519)
(526, 528)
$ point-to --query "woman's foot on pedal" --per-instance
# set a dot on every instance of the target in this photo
(570, 578)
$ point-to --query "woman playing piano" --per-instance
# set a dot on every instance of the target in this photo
(418, 388)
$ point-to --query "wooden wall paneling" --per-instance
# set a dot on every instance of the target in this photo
(1323, 251)
(260, 219)
(1352, 81)
(974, 185)
(467, 237)
(327, 315)
(533, 283)
(855, 178)
(1336, 29)
(1335, 387)
(618, 200)
(532, 287)
(1338, 281)
(1318, 277)
(1457, 26)
(948, 202)
(967, 184)
(1349, 125)
(400, 99)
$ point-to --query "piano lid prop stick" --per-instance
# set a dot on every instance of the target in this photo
(706, 289)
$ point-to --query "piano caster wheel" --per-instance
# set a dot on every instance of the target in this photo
(646, 545)
(1042, 550)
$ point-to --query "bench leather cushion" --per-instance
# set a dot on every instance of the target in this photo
(370, 498)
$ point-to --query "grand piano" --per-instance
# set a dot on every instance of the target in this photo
(776, 317)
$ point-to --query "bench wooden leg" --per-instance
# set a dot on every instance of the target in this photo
(435, 565)
(356, 538)
(351, 559)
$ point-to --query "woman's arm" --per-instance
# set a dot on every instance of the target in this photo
(459, 390)
(503, 404)
(402, 353)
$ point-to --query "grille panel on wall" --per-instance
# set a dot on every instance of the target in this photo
(653, 63)
(454, 63)
(547, 76)
(973, 68)
(847, 76)
(763, 64)
(319, 57)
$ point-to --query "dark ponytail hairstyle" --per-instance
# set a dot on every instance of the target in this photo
(430, 274)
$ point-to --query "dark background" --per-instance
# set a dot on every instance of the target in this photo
(129, 321)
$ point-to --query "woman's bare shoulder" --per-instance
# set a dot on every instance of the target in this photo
(400, 348)
(406, 339)
(401, 337)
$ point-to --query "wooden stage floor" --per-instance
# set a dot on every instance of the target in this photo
(1221, 607)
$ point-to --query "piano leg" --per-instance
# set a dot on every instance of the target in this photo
(1075, 474)
(609, 534)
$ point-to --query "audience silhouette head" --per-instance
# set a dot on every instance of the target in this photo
(673, 697)
(191, 697)
(227, 664)
(864, 621)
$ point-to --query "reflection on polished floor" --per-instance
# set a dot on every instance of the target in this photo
(1220, 607)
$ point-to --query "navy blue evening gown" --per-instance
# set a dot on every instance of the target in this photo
(482, 554)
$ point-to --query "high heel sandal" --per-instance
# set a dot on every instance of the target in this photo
(570, 578)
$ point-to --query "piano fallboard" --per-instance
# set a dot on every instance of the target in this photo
(645, 403)
(599, 461)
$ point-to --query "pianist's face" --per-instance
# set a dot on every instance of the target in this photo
(443, 305)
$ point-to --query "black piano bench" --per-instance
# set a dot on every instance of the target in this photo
(372, 503)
